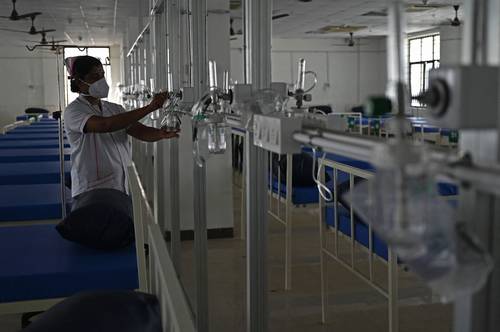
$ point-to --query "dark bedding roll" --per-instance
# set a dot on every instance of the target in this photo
(100, 219)
(102, 311)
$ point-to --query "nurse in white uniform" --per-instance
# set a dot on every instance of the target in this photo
(98, 130)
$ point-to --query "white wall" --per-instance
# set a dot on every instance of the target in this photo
(29, 80)
(346, 75)
(116, 73)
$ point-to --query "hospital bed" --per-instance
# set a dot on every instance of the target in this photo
(340, 228)
(32, 172)
(31, 155)
(22, 204)
(30, 144)
(34, 130)
(51, 123)
(13, 125)
(13, 136)
(280, 205)
(53, 268)
(422, 130)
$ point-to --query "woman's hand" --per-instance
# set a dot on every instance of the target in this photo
(158, 100)
(168, 134)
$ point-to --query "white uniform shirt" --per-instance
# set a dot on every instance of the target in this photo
(98, 160)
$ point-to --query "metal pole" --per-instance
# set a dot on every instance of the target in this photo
(395, 51)
(159, 184)
(199, 46)
(257, 55)
(199, 52)
(397, 90)
(61, 141)
(174, 65)
(288, 221)
(200, 247)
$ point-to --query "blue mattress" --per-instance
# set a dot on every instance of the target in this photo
(28, 136)
(37, 263)
(22, 117)
(30, 155)
(34, 130)
(26, 144)
(52, 123)
(361, 234)
(350, 162)
(32, 173)
(30, 202)
(238, 130)
(447, 189)
(427, 129)
(300, 195)
(365, 121)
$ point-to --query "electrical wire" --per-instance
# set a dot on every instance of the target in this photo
(323, 189)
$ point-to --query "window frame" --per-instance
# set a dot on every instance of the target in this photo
(434, 62)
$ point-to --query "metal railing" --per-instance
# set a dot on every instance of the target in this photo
(162, 279)
(275, 209)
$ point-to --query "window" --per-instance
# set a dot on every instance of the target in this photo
(102, 53)
(424, 55)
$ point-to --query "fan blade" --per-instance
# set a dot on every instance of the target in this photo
(45, 31)
(8, 17)
(28, 15)
(13, 30)
(276, 17)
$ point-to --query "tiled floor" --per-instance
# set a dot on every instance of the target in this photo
(354, 306)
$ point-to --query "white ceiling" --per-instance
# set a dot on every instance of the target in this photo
(96, 22)
(310, 16)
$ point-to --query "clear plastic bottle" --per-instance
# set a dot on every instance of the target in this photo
(216, 138)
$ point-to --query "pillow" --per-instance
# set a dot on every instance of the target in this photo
(102, 311)
(100, 219)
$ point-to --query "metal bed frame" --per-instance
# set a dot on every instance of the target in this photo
(329, 243)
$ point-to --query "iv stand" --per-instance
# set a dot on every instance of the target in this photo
(58, 115)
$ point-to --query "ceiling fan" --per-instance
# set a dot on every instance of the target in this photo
(15, 16)
(350, 42)
(456, 21)
(44, 40)
(32, 30)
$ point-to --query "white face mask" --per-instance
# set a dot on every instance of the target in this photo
(99, 89)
